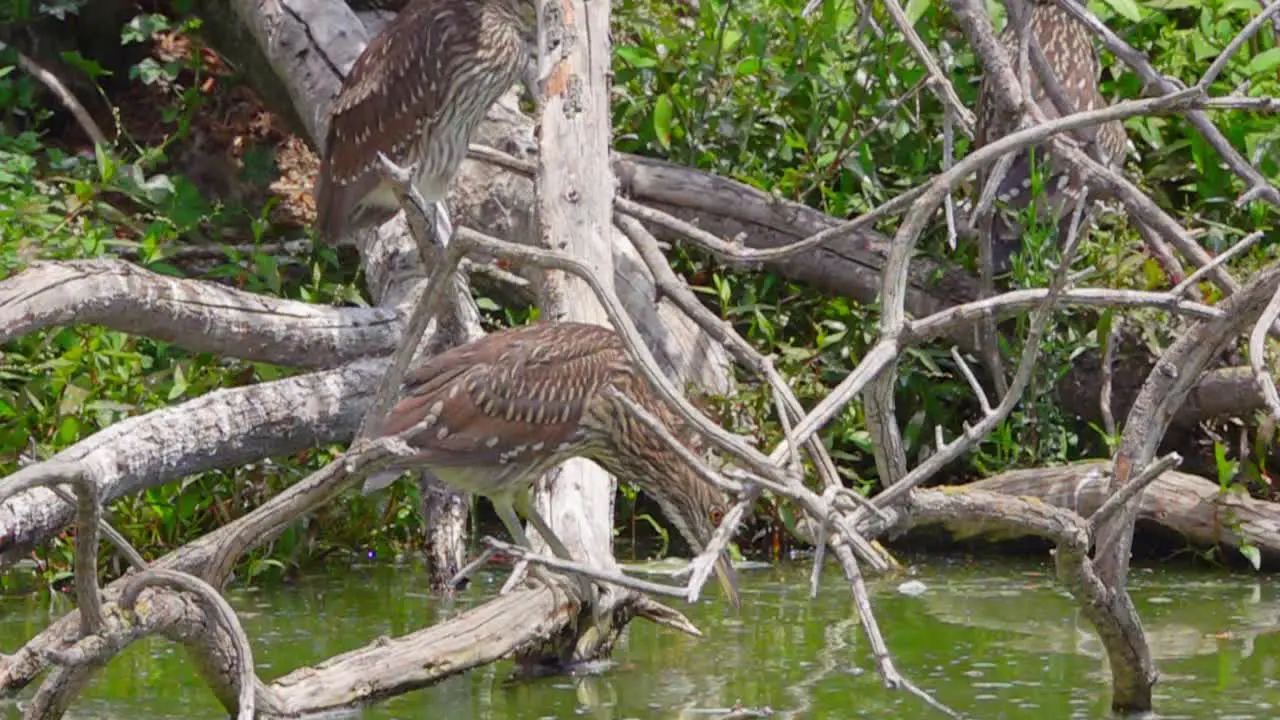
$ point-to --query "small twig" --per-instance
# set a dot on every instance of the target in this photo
(700, 567)
(439, 286)
(129, 552)
(974, 385)
(493, 271)
(467, 570)
(1130, 489)
(216, 608)
(939, 82)
(1104, 395)
(588, 571)
(1258, 351)
(64, 94)
(948, 158)
(1242, 37)
(1221, 258)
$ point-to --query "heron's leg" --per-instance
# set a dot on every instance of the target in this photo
(529, 78)
(588, 590)
(441, 223)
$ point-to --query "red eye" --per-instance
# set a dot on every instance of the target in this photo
(716, 516)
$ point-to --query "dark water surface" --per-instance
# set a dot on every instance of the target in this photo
(993, 639)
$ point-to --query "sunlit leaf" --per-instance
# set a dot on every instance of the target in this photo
(1253, 555)
(1127, 8)
(1264, 62)
(916, 9)
(662, 112)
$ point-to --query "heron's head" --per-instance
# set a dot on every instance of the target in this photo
(697, 508)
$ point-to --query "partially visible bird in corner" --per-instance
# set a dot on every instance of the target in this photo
(1068, 50)
(416, 94)
(492, 416)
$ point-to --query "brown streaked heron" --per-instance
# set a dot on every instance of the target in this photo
(416, 93)
(491, 416)
(1069, 52)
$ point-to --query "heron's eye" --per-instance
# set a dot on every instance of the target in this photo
(717, 514)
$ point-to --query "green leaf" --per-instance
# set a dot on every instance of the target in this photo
(142, 27)
(916, 9)
(1202, 49)
(1264, 62)
(1127, 8)
(179, 384)
(86, 65)
(1105, 322)
(106, 166)
(1250, 7)
(1252, 554)
(636, 57)
(662, 112)
(729, 40)
(69, 430)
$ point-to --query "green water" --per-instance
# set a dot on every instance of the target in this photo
(993, 640)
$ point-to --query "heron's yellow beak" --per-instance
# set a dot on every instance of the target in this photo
(728, 580)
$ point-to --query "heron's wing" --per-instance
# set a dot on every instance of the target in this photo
(507, 396)
(393, 88)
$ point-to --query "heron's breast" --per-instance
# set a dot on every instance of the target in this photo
(480, 479)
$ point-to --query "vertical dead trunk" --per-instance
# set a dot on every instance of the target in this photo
(575, 188)
(444, 513)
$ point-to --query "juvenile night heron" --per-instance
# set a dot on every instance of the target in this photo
(1068, 50)
(491, 416)
(415, 94)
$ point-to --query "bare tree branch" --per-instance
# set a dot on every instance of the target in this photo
(88, 516)
(200, 316)
(224, 428)
(216, 609)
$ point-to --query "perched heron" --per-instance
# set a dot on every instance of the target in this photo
(415, 94)
(1068, 50)
(491, 416)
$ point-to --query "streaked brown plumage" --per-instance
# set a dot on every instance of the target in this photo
(491, 416)
(1068, 48)
(416, 93)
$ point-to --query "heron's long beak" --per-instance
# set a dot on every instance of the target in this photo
(728, 580)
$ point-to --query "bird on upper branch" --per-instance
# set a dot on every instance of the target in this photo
(415, 94)
(1068, 50)
(491, 416)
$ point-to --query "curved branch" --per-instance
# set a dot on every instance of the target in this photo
(88, 515)
(197, 315)
(217, 609)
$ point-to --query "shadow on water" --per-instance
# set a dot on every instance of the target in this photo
(994, 640)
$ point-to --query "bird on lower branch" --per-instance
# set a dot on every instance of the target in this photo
(1068, 50)
(491, 416)
(415, 94)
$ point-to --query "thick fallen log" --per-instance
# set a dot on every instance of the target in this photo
(1186, 504)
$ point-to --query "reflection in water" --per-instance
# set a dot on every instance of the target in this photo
(1173, 614)
(996, 640)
